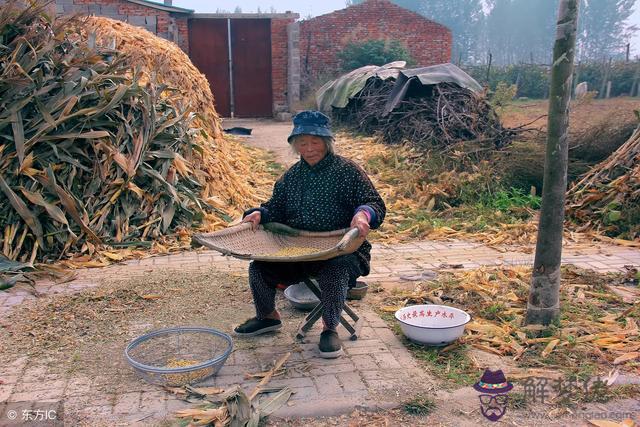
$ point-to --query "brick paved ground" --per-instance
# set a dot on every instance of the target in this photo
(376, 370)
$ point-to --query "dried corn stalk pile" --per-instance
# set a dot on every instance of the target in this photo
(607, 198)
(597, 325)
(89, 155)
(159, 60)
(221, 165)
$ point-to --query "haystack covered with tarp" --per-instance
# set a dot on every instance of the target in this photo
(431, 106)
(607, 198)
(93, 150)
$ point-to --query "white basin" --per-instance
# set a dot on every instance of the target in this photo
(432, 324)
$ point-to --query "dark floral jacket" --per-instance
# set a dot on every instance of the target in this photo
(324, 197)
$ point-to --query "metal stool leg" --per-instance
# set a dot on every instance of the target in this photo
(355, 329)
(309, 321)
(316, 313)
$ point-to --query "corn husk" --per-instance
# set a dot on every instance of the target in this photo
(609, 338)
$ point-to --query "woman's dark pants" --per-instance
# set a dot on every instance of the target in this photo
(334, 277)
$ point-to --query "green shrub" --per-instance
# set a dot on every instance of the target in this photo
(514, 198)
(503, 94)
(419, 405)
(372, 52)
(533, 80)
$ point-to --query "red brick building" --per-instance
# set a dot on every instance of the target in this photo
(322, 37)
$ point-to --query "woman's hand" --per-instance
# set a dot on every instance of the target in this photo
(361, 222)
(254, 218)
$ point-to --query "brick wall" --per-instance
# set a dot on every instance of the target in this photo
(171, 26)
(322, 37)
(279, 63)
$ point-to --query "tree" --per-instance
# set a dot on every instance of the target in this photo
(520, 30)
(543, 306)
(465, 19)
(372, 52)
(238, 9)
(603, 31)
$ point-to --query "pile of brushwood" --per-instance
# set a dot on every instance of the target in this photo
(607, 198)
(522, 164)
(88, 154)
(440, 115)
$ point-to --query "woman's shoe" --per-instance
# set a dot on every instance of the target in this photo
(255, 326)
(330, 346)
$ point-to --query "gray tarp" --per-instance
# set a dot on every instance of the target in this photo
(442, 73)
(336, 93)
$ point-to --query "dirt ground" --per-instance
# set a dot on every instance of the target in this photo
(271, 135)
(267, 135)
(582, 115)
(67, 329)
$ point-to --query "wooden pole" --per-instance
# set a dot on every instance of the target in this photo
(628, 47)
(605, 78)
(634, 85)
(543, 306)
(489, 68)
(576, 78)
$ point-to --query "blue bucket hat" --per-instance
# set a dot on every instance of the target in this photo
(310, 123)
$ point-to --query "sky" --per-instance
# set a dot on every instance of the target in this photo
(635, 19)
(319, 7)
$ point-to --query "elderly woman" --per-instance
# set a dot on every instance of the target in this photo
(321, 192)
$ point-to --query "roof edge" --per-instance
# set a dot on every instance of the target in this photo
(392, 4)
(245, 15)
(160, 6)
